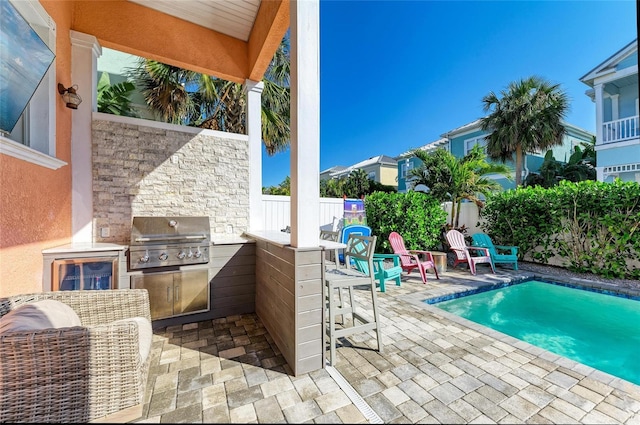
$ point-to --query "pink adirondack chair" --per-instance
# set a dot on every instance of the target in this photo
(410, 259)
(464, 252)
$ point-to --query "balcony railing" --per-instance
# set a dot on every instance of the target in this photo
(619, 130)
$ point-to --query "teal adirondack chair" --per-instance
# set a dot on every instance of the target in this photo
(380, 273)
(500, 254)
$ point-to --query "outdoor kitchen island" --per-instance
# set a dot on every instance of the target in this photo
(290, 297)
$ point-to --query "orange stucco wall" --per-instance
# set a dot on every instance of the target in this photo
(35, 202)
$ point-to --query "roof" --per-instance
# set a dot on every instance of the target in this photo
(462, 129)
(610, 63)
(333, 169)
(380, 159)
(428, 148)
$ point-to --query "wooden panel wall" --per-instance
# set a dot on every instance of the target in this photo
(289, 302)
(233, 279)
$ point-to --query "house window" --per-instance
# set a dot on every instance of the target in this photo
(405, 168)
(470, 143)
(371, 175)
(33, 138)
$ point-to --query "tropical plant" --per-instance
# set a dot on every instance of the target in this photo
(527, 118)
(114, 98)
(332, 188)
(455, 179)
(189, 98)
(357, 184)
(581, 166)
(284, 188)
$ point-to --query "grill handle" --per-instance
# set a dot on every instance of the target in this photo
(171, 238)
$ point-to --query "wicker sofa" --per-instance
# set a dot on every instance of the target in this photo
(93, 372)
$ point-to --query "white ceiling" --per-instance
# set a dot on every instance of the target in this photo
(231, 17)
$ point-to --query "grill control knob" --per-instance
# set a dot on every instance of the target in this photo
(145, 258)
(181, 255)
(163, 256)
(190, 254)
(198, 253)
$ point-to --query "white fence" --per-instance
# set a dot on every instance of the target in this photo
(276, 213)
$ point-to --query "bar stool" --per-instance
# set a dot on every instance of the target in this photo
(359, 249)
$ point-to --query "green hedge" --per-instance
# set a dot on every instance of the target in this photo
(593, 226)
(416, 216)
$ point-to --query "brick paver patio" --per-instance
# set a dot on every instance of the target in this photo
(435, 368)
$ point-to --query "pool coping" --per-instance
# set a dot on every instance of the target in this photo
(418, 299)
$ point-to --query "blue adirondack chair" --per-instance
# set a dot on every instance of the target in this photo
(500, 254)
(353, 229)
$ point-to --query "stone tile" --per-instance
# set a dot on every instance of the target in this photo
(405, 372)
(519, 407)
(446, 393)
(350, 414)
(276, 386)
(186, 415)
(288, 398)
(188, 398)
(482, 419)
(243, 414)
(255, 376)
(486, 406)
(332, 401)
(395, 395)
(561, 379)
(412, 410)
(614, 412)
(442, 413)
(467, 383)
(536, 396)
(326, 385)
(328, 418)
(214, 395)
(383, 407)
(306, 388)
(243, 397)
(367, 387)
(498, 384)
(595, 417)
(415, 391)
(568, 409)
(162, 402)
(464, 409)
(227, 374)
(302, 412)
(268, 410)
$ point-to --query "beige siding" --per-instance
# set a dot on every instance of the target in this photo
(289, 302)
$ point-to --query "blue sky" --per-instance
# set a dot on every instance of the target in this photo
(395, 75)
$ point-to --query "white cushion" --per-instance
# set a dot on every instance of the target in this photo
(145, 334)
(42, 314)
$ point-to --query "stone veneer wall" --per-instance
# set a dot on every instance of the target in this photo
(143, 168)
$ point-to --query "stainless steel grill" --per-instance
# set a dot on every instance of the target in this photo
(169, 241)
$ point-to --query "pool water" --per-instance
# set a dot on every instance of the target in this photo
(599, 330)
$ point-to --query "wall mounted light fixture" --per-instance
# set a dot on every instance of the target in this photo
(70, 96)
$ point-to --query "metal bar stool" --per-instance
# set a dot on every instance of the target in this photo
(359, 249)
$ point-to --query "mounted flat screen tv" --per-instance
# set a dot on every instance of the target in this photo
(24, 61)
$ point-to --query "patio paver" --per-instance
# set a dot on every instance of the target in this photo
(436, 368)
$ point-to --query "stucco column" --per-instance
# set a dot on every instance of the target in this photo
(599, 89)
(305, 123)
(254, 131)
(85, 51)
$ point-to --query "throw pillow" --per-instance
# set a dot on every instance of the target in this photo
(42, 314)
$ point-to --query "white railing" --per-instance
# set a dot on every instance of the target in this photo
(276, 212)
(618, 130)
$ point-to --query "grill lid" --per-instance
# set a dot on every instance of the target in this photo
(164, 230)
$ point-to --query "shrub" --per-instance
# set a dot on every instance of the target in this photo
(417, 216)
(593, 226)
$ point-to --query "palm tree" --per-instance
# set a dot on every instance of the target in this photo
(357, 184)
(114, 98)
(185, 97)
(526, 119)
(453, 179)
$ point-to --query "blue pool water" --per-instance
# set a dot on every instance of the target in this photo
(599, 330)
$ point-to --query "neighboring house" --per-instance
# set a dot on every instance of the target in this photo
(614, 90)
(326, 174)
(459, 142)
(407, 162)
(381, 169)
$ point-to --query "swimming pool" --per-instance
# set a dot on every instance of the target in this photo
(592, 328)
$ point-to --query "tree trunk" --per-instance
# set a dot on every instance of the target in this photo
(518, 165)
(458, 212)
